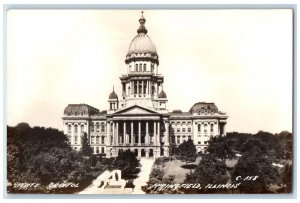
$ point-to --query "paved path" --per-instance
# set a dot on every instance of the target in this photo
(141, 180)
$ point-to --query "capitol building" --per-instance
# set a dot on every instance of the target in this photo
(139, 119)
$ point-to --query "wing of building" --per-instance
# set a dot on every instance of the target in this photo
(139, 120)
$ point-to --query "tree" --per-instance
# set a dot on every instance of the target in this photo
(220, 147)
(127, 162)
(187, 151)
(86, 149)
(209, 171)
(255, 163)
(43, 155)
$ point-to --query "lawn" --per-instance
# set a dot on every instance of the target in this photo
(174, 168)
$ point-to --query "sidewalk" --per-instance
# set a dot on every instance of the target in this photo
(146, 166)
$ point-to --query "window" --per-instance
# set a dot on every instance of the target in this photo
(92, 127)
(92, 140)
(102, 140)
(205, 127)
(111, 128)
(173, 139)
(102, 150)
(102, 127)
(205, 142)
(178, 130)
(199, 142)
(97, 150)
(144, 67)
(75, 140)
(97, 140)
(183, 130)
(178, 139)
(211, 127)
(136, 67)
(189, 129)
(189, 137)
(140, 67)
(76, 129)
(82, 128)
(199, 127)
(69, 129)
(98, 127)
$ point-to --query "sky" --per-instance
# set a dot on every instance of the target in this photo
(239, 59)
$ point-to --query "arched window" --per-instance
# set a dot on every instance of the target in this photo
(98, 127)
(199, 127)
(92, 140)
(205, 127)
(102, 127)
(111, 127)
(136, 67)
(144, 67)
(69, 129)
(211, 127)
(82, 128)
(76, 129)
(75, 140)
(141, 67)
(97, 140)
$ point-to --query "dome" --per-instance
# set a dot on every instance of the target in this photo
(162, 95)
(142, 47)
(113, 95)
(141, 44)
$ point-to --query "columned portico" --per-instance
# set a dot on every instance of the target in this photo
(141, 133)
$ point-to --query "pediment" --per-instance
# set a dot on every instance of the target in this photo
(134, 110)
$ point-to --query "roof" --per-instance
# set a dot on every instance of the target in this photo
(204, 108)
(80, 109)
(113, 95)
(177, 114)
(162, 95)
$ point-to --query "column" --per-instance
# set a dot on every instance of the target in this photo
(147, 133)
(107, 133)
(148, 87)
(167, 136)
(139, 132)
(79, 133)
(154, 133)
(72, 134)
(113, 134)
(158, 133)
(117, 133)
(131, 132)
(124, 133)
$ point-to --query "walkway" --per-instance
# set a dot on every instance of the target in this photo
(118, 186)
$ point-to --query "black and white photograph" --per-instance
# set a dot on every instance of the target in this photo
(149, 101)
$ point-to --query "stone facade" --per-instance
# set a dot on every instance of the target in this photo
(140, 121)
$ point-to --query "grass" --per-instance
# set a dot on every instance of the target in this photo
(174, 168)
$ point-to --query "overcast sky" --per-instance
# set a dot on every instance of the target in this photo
(239, 59)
